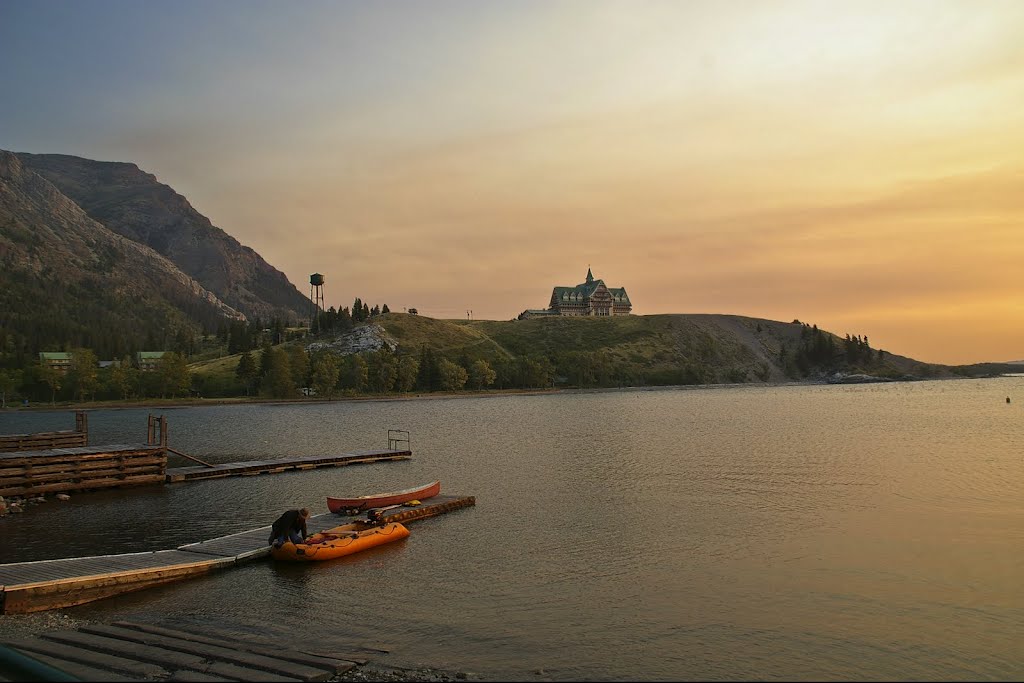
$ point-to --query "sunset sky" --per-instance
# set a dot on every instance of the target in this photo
(855, 165)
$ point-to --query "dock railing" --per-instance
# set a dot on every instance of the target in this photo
(398, 437)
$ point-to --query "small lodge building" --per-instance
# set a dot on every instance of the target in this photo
(58, 360)
(590, 298)
(148, 360)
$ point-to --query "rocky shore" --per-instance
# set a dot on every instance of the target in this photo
(13, 505)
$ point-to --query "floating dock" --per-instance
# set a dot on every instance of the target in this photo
(50, 584)
(62, 462)
(302, 462)
(172, 651)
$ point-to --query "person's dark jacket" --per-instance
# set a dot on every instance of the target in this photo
(289, 521)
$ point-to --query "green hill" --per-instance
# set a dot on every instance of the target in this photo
(652, 350)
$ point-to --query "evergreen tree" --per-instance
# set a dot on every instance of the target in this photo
(247, 371)
(382, 370)
(344, 323)
(408, 369)
(385, 309)
(10, 380)
(354, 373)
(278, 382)
(298, 361)
(427, 379)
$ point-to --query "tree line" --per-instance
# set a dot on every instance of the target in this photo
(84, 380)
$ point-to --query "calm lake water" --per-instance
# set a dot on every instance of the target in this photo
(797, 532)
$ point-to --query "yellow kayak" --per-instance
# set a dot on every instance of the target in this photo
(340, 541)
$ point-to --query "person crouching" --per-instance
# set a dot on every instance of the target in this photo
(291, 526)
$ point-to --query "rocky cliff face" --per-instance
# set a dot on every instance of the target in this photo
(133, 203)
(64, 275)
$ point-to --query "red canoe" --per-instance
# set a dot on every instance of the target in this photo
(338, 505)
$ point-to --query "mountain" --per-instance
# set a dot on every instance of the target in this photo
(132, 203)
(64, 276)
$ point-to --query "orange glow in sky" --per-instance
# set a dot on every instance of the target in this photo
(859, 166)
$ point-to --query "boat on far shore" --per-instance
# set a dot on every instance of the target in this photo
(361, 503)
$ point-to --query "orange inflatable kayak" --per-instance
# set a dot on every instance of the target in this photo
(340, 541)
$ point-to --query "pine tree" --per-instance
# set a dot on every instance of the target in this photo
(246, 371)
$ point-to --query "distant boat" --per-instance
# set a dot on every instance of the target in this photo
(341, 505)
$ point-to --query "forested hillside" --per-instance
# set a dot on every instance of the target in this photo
(396, 353)
(67, 281)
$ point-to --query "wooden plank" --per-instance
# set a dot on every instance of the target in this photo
(168, 659)
(31, 645)
(77, 466)
(133, 480)
(224, 654)
(196, 677)
(83, 453)
(82, 476)
(333, 665)
(241, 673)
(22, 573)
(34, 597)
(82, 672)
(253, 467)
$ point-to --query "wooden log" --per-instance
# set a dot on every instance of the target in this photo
(68, 437)
(109, 482)
(75, 466)
(33, 477)
(34, 458)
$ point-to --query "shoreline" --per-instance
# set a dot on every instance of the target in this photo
(437, 395)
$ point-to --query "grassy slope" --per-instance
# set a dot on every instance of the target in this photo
(720, 348)
(724, 345)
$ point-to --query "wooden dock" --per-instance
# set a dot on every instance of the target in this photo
(50, 584)
(302, 462)
(42, 440)
(60, 470)
(173, 651)
(59, 462)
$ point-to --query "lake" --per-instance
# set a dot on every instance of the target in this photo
(794, 532)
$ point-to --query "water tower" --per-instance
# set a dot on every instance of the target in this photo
(316, 297)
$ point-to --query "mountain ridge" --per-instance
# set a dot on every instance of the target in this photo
(133, 203)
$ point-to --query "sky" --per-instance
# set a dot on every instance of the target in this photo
(855, 165)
